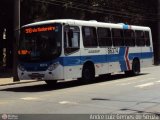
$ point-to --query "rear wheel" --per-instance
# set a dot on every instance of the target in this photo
(136, 67)
(88, 73)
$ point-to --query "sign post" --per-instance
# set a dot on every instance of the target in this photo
(16, 38)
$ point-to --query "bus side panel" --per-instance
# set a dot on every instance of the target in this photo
(98, 57)
(147, 57)
(113, 59)
(121, 58)
(57, 74)
(72, 66)
(134, 52)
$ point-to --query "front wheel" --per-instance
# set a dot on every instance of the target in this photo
(51, 82)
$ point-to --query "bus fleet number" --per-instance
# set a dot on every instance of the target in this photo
(112, 50)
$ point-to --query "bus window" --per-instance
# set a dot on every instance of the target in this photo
(89, 37)
(117, 36)
(129, 36)
(71, 39)
(147, 38)
(104, 37)
(140, 41)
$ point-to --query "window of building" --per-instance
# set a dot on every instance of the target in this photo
(89, 37)
(117, 36)
(129, 36)
(104, 37)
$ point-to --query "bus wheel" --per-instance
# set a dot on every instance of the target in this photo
(88, 73)
(136, 67)
(51, 82)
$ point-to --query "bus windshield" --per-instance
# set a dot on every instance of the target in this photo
(40, 43)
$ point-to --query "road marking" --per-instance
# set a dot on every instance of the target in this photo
(68, 102)
(104, 84)
(29, 98)
(145, 85)
(2, 103)
(117, 81)
(131, 78)
(151, 78)
(123, 84)
(158, 81)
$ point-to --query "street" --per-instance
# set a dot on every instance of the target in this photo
(118, 94)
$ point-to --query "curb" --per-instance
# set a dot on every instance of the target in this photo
(10, 82)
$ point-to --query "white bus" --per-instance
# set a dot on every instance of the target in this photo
(65, 49)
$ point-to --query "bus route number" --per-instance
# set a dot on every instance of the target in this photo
(112, 50)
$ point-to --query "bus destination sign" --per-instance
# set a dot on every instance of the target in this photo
(39, 29)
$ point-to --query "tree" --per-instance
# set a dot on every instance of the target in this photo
(138, 12)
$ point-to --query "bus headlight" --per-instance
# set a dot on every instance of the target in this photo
(21, 67)
(53, 66)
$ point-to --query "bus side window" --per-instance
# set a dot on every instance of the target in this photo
(89, 37)
(147, 38)
(118, 37)
(104, 37)
(140, 41)
(129, 36)
(71, 39)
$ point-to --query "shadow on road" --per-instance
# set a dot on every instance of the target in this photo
(142, 112)
(63, 85)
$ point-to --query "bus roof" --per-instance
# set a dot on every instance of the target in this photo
(88, 23)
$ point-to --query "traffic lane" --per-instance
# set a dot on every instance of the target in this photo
(62, 85)
(115, 95)
(41, 86)
(88, 102)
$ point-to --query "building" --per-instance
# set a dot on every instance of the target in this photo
(138, 12)
(135, 12)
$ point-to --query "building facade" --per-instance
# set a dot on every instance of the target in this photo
(135, 12)
(15, 13)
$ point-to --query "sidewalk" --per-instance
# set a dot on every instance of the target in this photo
(5, 81)
(6, 78)
(9, 81)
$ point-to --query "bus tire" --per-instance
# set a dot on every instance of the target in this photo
(88, 73)
(136, 67)
(51, 82)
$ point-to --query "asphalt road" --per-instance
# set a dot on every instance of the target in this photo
(115, 94)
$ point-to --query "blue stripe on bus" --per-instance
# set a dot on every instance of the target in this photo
(144, 55)
(80, 60)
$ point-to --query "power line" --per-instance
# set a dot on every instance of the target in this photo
(133, 1)
(131, 7)
(108, 10)
(93, 9)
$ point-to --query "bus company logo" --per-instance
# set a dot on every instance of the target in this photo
(4, 116)
(9, 117)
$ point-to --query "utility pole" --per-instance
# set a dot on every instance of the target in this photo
(16, 37)
(158, 33)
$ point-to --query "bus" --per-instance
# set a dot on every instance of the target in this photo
(67, 49)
